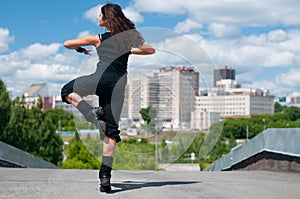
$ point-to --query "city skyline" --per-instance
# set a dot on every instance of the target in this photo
(260, 40)
(200, 90)
(174, 94)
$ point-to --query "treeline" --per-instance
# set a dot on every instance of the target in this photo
(32, 130)
(284, 117)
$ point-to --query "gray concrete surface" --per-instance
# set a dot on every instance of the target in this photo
(52, 184)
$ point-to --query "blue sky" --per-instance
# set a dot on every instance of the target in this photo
(259, 39)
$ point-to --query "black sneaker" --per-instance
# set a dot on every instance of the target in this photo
(98, 111)
(105, 183)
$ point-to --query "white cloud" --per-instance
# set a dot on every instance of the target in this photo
(290, 79)
(285, 84)
(251, 56)
(257, 50)
(279, 59)
(38, 63)
(84, 34)
(93, 13)
(277, 36)
(5, 39)
(223, 30)
(165, 6)
(45, 73)
(39, 51)
(187, 26)
(241, 13)
(133, 15)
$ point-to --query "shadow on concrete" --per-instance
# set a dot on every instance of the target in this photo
(130, 185)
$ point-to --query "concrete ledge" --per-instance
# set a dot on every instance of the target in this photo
(179, 167)
(13, 157)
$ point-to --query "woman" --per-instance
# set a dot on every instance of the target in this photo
(108, 81)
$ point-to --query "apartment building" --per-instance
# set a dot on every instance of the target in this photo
(171, 91)
(237, 103)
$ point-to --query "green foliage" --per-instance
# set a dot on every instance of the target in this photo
(78, 157)
(133, 155)
(148, 114)
(196, 144)
(34, 132)
(5, 108)
(237, 127)
(31, 130)
(62, 119)
(16, 133)
(293, 113)
(277, 107)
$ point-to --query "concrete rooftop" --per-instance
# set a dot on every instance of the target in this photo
(57, 183)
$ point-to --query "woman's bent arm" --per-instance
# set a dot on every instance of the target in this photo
(85, 41)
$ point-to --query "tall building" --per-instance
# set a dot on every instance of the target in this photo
(225, 72)
(171, 91)
(36, 90)
(178, 87)
(140, 93)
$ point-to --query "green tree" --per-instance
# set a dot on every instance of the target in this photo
(50, 143)
(5, 109)
(78, 157)
(293, 113)
(277, 107)
(62, 119)
(15, 132)
(33, 131)
(148, 114)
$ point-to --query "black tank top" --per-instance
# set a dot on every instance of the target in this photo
(111, 59)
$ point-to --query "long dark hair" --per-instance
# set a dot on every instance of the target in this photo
(122, 28)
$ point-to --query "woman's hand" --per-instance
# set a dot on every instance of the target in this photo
(87, 52)
(83, 50)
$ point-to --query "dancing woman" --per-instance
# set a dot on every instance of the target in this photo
(108, 82)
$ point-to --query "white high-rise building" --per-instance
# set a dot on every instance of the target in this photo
(171, 91)
(177, 90)
(141, 92)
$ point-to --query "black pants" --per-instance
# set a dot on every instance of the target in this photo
(109, 87)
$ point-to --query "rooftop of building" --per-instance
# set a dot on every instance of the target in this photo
(33, 90)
